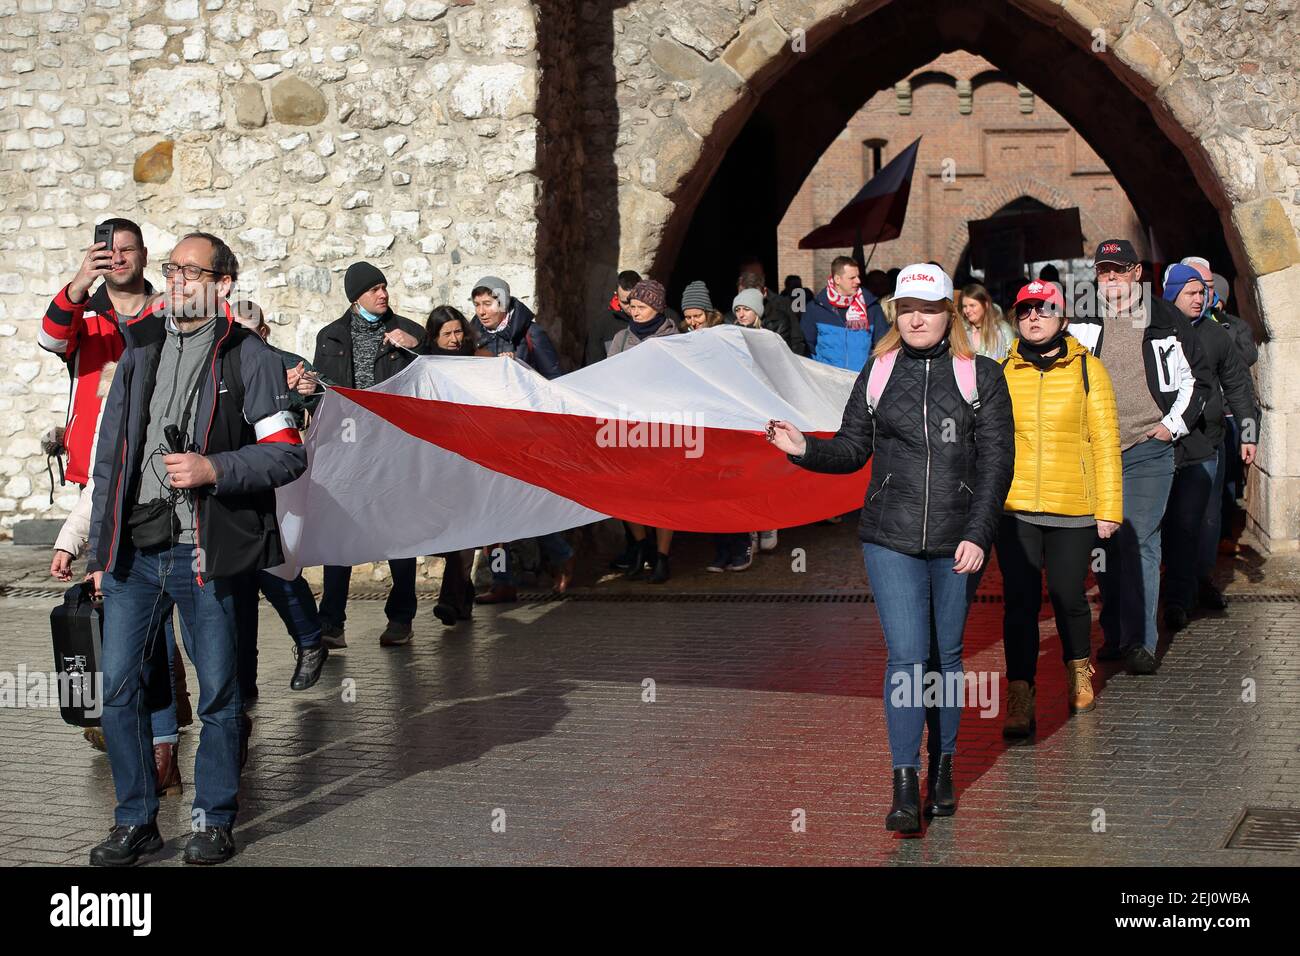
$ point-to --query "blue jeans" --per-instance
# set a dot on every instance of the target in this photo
(919, 600)
(1207, 550)
(555, 551)
(731, 547)
(137, 597)
(165, 726)
(1130, 580)
(295, 604)
(400, 606)
(1185, 518)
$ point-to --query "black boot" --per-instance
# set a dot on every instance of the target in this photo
(643, 555)
(941, 795)
(631, 549)
(1210, 597)
(307, 671)
(662, 571)
(905, 814)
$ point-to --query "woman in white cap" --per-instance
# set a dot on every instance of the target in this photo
(938, 421)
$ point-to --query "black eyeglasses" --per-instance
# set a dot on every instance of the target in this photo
(169, 269)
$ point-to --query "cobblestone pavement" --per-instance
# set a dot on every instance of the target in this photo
(535, 715)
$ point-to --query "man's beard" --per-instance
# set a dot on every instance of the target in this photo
(126, 282)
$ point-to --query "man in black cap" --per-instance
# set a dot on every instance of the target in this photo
(1162, 383)
(366, 345)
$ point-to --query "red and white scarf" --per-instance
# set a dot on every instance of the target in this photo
(857, 317)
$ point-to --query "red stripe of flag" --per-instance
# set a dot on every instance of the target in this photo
(739, 482)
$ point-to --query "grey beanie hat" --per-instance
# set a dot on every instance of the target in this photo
(751, 299)
(696, 296)
(500, 288)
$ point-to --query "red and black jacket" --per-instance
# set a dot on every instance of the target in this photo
(87, 336)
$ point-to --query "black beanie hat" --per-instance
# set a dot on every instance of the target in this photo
(360, 278)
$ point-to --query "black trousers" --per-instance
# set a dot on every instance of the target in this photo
(457, 590)
(1023, 551)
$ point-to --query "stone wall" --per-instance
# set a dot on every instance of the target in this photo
(432, 136)
(308, 134)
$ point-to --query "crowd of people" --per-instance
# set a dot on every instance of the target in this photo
(1022, 435)
(1090, 429)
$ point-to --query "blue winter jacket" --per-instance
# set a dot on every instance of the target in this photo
(831, 342)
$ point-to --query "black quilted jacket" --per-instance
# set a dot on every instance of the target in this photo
(928, 493)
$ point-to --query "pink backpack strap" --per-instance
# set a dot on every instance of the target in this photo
(878, 378)
(964, 369)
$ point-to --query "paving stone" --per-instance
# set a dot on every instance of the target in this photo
(761, 709)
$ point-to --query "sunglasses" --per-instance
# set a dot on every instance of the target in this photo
(1045, 309)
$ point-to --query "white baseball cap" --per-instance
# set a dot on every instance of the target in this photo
(923, 281)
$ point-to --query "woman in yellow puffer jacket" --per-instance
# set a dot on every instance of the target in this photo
(1066, 491)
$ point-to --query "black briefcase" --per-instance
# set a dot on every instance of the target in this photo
(77, 626)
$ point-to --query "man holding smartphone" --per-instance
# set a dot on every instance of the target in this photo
(85, 329)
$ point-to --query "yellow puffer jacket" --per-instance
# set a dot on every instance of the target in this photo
(1067, 444)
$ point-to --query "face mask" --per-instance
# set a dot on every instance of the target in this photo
(372, 319)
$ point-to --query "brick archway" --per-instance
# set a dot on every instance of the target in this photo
(1192, 137)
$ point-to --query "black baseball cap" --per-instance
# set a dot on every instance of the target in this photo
(1115, 250)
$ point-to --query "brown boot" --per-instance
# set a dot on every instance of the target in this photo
(1079, 673)
(184, 712)
(169, 771)
(500, 594)
(1020, 721)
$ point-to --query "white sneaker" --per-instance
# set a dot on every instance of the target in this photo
(767, 540)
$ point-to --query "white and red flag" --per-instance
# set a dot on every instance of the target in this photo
(461, 452)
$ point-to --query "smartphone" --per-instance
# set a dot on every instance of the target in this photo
(104, 234)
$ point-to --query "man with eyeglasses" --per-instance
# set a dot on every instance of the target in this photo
(196, 436)
(1161, 385)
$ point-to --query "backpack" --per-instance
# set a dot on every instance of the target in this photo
(963, 369)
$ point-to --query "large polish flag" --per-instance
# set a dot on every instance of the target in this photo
(461, 452)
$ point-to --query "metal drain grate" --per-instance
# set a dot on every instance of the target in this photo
(1266, 828)
(30, 592)
(667, 597)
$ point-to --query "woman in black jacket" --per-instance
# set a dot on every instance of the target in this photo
(447, 333)
(938, 421)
